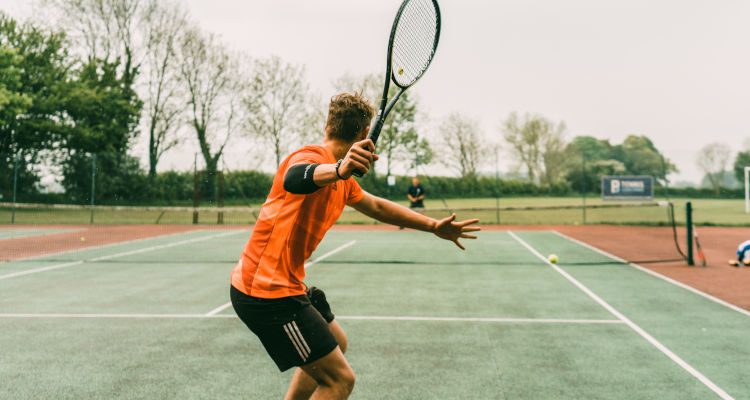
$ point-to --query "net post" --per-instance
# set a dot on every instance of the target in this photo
(689, 223)
(195, 188)
(220, 196)
(93, 186)
(15, 188)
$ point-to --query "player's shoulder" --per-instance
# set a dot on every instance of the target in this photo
(312, 153)
(312, 149)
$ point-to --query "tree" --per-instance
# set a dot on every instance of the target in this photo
(538, 144)
(278, 105)
(162, 25)
(106, 30)
(594, 149)
(422, 153)
(641, 157)
(553, 154)
(740, 162)
(399, 139)
(36, 86)
(213, 85)
(712, 160)
(103, 116)
(637, 155)
(13, 103)
(463, 143)
(75, 108)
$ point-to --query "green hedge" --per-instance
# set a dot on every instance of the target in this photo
(241, 187)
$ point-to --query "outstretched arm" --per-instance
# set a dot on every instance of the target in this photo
(391, 213)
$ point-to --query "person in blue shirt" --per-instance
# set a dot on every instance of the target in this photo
(743, 254)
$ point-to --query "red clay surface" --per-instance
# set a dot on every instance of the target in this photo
(718, 278)
(632, 243)
(646, 243)
(93, 235)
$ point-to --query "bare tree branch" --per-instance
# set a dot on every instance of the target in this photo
(163, 24)
(279, 107)
(712, 161)
(212, 79)
(538, 145)
(464, 146)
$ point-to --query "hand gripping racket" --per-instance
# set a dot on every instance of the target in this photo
(411, 48)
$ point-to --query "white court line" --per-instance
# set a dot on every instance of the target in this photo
(674, 357)
(42, 269)
(41, 234)
(342, 317)
(469, 319)
(658, 275)
(323, 257)
(102, 316)
(330, 253)
(103, 246)
(126, 253)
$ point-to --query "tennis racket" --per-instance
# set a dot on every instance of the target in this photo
(411, 48)
(701, 253)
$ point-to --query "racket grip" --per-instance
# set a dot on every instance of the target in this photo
(374, 134)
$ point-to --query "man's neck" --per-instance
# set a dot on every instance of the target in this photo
(338, 148)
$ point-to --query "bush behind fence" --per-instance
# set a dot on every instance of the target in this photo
(120, 181)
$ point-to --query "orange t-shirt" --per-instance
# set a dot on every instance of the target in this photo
(289, 228)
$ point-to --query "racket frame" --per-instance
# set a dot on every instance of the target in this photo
(385, 105)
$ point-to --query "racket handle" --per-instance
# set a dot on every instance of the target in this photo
(374, 134)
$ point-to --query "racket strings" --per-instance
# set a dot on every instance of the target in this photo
(416, 36)
(414, 41)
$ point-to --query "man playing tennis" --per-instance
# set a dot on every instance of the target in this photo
(310, 189)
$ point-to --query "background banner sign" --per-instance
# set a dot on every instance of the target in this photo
(639, 188)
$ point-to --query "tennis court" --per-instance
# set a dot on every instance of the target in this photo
(149, 319)
(13, 233)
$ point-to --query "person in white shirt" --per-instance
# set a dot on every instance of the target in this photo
(742, 251)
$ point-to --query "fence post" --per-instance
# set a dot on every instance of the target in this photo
(497, 188)
(583, 185)
(220, 195)
(93, 186)
(195, 189)
(15, 188)
(689, 223)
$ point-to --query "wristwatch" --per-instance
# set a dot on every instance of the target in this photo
(338, 164)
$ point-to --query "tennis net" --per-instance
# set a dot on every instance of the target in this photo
(104, 225)
(650, 213)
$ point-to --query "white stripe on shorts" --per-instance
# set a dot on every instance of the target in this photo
(301, 338)
(293, 338)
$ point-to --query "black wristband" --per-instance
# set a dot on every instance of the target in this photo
(338, 164)
(299, 179)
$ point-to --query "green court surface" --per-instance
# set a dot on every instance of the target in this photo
(150, 319)
(13, 233)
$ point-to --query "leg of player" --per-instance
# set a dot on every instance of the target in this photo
(303, 385)
(333, 375)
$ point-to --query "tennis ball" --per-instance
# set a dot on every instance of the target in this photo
(400, 71)
(83, 239)
(552, 258)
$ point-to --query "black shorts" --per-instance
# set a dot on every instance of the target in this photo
(294, 330)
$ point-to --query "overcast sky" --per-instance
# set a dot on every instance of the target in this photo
(677, 71)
